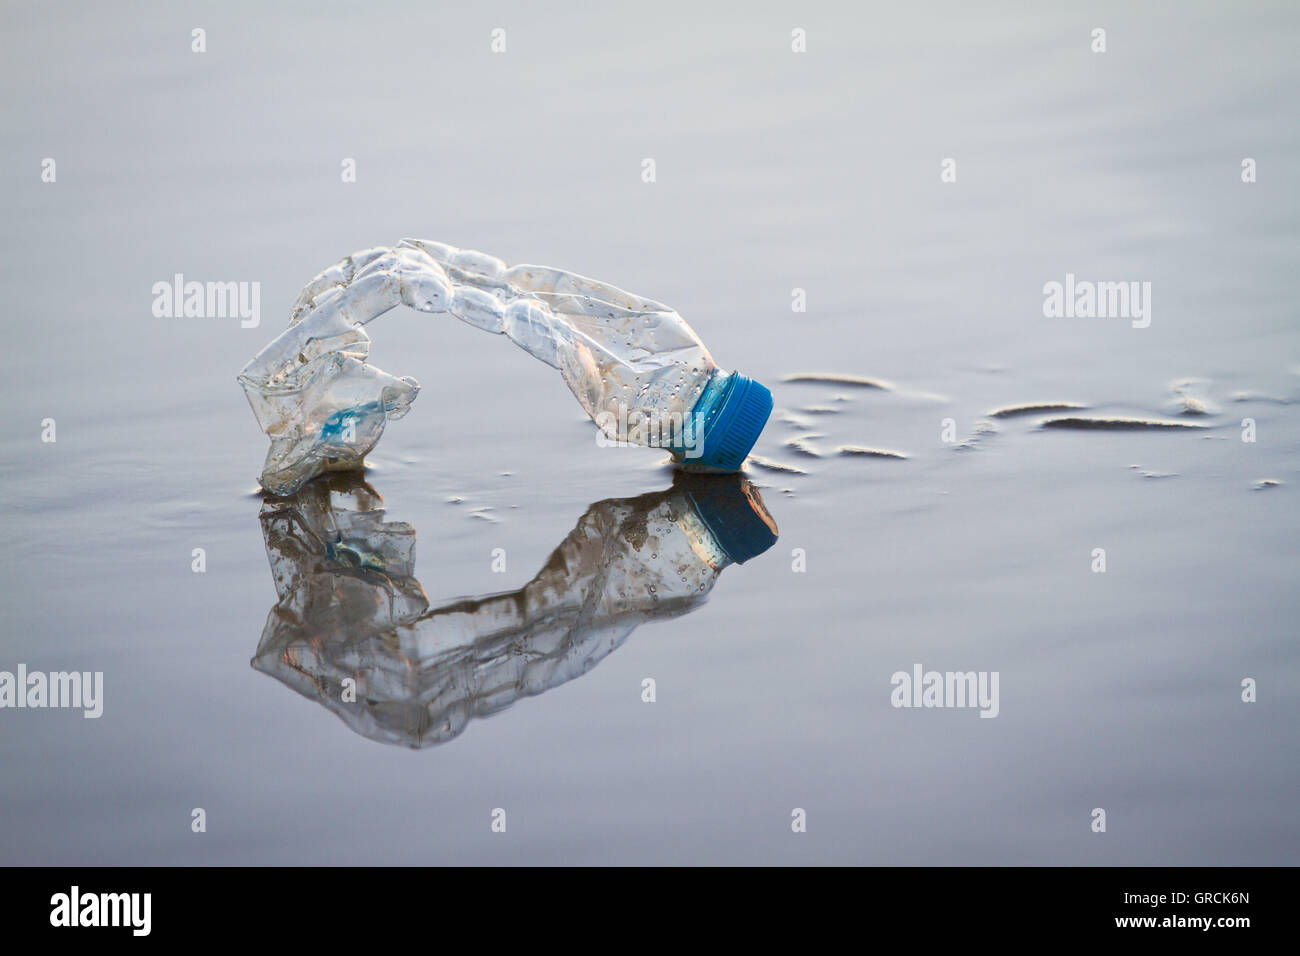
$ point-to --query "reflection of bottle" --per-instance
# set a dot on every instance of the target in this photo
(636, 367)
(349, 605)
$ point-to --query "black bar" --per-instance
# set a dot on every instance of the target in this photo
(374, 904)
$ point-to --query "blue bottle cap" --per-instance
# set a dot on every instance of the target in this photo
(734, 424)
(732, 510)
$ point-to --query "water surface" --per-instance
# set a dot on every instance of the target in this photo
(775, 171)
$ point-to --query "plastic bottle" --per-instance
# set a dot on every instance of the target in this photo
(349, 605)
(634, 364)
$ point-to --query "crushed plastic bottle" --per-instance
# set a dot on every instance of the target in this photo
(349, 605)
(634, 364)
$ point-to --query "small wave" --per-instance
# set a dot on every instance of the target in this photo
(767, 464)
(1153, 475)
(823, 378)
(860, 451)
(1011, 411)
(793, 420)
(802, 446)
(1116, 424)
(1185, 403)
(1264, 399)
(979, 431)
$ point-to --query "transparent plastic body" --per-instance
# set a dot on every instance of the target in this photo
(350, 607)
(634, 364)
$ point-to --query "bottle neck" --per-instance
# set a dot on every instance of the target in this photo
(704, 415)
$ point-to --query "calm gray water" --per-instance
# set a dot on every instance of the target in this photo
(775, 171)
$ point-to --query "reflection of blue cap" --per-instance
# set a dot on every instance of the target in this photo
(732, 422)
(732, 510)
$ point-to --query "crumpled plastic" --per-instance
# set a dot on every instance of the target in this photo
(324, 408)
